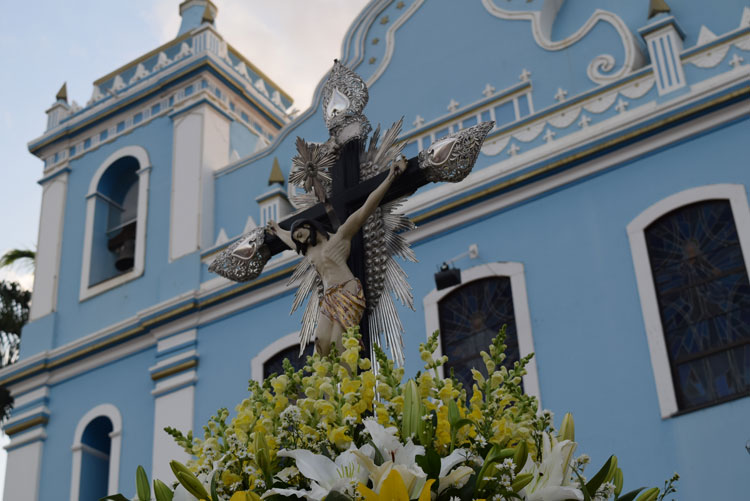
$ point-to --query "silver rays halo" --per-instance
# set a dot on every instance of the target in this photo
(383, 240)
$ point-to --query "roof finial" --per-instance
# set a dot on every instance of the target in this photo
(208, 15)
(62, 94)
(657, 7)
(276, 175)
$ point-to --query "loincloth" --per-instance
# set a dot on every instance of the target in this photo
(342, 306)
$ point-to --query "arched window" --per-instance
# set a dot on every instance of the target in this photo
(96, 454)
(271, 358)
(115, 221)
(114, 245)
(470, 315)
(470, 318)
(690, 253)
(275, 364)
(704, 301)
(96, 446)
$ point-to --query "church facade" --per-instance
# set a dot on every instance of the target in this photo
(606, 224)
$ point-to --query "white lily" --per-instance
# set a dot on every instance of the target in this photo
(342, 475)
(397, 456)
(551, 478)
(450, 477)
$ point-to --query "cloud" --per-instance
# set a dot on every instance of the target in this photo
(293, 42)
(25, 279)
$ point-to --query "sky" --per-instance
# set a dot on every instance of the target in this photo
(46, 43)
(49, 42)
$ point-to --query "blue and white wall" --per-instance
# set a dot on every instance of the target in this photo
(602, 116)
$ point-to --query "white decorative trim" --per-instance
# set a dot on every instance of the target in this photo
(15, 418)
(31, 396)
(541, 27)
(169, 342)
(175, 382)
(515, 272)
(49, 246)
(171, 360)
(390, 41)
(141, 155)
(111, 412)
(284, 342)
(37, 434)
(24, 465)
(737, 197)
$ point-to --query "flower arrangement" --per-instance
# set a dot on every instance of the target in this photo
(337, 430)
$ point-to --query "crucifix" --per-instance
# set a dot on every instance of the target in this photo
(348, 227)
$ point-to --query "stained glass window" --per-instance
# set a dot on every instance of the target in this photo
(704, 300)
(470, 317)
(275, 363)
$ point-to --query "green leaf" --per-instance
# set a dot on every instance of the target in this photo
(214, 496)
(630, 496)
(161, 491)
(141, 484)
(430, 463)
(596, 481)
(586, 496)
(520, 456)
(115, 497)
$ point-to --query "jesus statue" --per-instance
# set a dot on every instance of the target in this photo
(343, 301)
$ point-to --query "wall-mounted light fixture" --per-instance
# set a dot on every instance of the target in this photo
(448, 275)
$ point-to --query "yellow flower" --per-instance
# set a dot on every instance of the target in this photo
(228, 478)
(394, 489)
(280, 383)
(339, 437)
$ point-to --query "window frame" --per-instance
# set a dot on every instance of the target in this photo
(282, 343)
(113, 414)
(736, 195)
(141, 155)
(515, 272)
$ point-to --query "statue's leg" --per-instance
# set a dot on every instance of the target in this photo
(323, 334)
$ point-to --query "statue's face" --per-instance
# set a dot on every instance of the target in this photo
(301, 234)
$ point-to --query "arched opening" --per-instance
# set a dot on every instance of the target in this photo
(470, 318)
(96, 446)
(703, 293)
(115, 221)
(275, 363)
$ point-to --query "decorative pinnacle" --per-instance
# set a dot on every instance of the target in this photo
(62, 94)
(208, 15)
(657, 7)
(276, 174)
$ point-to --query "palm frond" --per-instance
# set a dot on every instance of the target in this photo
(14, 256)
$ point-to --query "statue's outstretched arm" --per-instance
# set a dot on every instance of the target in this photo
(284, 235)
(354, 222)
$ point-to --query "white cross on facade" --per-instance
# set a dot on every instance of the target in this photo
(736, 60)
(549, 135)
(513, 150)
(622, 105)
(452, 106)
(561, 94)
(584, 122)
(418, 122)
(488, 90)
(525, 74)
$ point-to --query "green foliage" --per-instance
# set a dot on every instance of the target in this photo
(14, 313)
